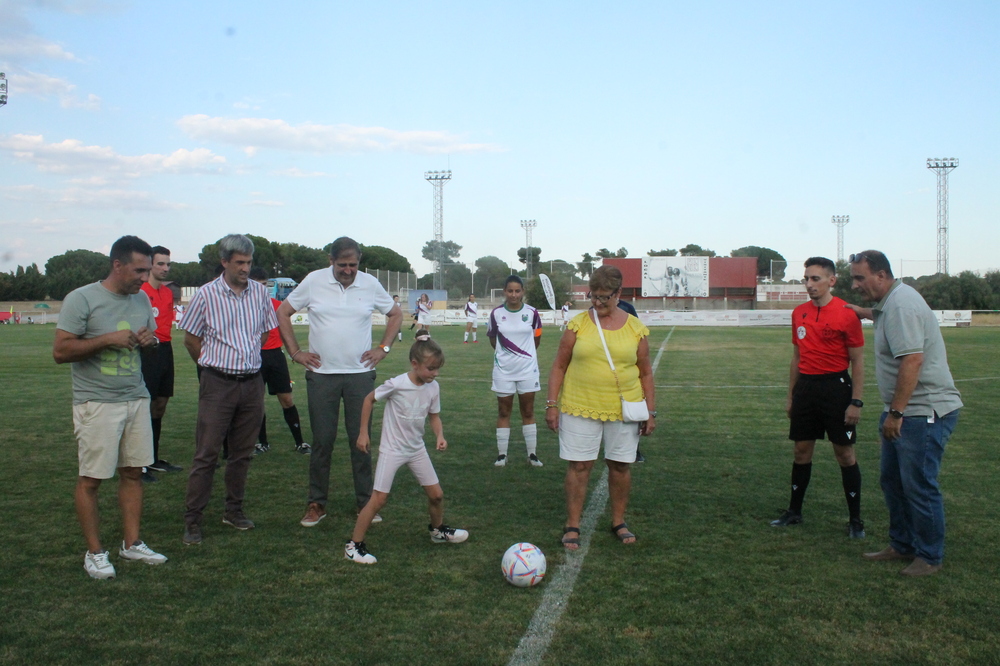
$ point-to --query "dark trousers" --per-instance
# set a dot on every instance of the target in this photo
(325, 393)
(225, 407)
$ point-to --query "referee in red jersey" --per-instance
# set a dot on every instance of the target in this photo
(822, 397)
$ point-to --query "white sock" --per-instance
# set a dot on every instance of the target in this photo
(530, 433)
(503, 440)
(400, 334)
(473, 335)
(466, 336)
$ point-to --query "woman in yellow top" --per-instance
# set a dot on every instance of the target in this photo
(584, 403)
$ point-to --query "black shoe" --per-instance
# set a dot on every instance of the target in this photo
(192, 534)
(147, 476)
(856, 529)
(238, 520)
(789, 517)
(639, 458)
(260, 448)
(164, 466)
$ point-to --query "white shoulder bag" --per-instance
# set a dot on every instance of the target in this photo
(632, 412)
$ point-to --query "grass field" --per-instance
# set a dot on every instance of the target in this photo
(707, 582)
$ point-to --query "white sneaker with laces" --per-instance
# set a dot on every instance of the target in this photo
(140, 552)
(98, 565)
(445, 534)
(501, 461)
(357, 552)
(535, 462)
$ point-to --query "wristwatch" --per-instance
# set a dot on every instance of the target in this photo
(895, 413)
(857, 403)
(386, 348)
(652, 413)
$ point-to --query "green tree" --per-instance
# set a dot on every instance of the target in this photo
(692, 250)
(297, 261)
(662, 253)
(536, 254)
(6, 286)
(444, 251)
(586, 267)
(29, 284)
(765, 256)
(457, 280)
(842, 288)
(534, 293)
(376, 257)
(189, 273)
(490, 274)
(76, 268)
(605, 253)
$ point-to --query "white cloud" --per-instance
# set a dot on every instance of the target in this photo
(43, 85)
(324, 139)
(268, 204)
(32, 47)
(72, 156)
(88, 197)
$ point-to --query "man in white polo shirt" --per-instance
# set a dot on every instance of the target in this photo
(340, 362)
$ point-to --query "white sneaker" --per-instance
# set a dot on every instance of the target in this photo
(356, 552)
(501, 461)
(98, 565)
(377, 518)
(535, 462)
(445, 534)
(141, 553)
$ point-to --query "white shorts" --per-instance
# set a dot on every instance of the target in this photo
(110, 435)
(390, 461)
(508, 387)
(424, 319)
(472, 320)
(580, 439)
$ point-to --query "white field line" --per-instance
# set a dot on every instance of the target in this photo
(536, 640)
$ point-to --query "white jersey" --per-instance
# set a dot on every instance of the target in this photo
(515, 358)
(565, 313)
(471, 311)
(406, 408)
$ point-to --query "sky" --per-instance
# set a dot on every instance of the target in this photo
(643, 125)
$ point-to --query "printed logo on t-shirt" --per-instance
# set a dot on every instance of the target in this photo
(156, 311)
(801, 332)
(524, 317)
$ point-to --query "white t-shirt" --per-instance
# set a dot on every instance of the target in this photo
(565, 313)
(471, 310)
(406, 408)
(515, 358)
(340, 320)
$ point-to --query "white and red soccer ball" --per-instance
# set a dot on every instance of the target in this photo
(523, 565)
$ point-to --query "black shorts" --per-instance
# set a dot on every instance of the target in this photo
(158, 370)
(818, 406)
(274, 370)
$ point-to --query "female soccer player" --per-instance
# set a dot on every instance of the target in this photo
(410, 399)
(515, 330)
(424, 311)
(471, 318)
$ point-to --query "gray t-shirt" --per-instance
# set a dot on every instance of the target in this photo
(112, 375)
(904, 325)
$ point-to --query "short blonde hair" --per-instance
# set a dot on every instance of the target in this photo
(606, 277)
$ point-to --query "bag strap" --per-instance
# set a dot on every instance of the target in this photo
(607, 352)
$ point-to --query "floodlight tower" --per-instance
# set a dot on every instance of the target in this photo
(942, 167)
(840, 221)
(528, 225)
(3, 89)
(438, 180)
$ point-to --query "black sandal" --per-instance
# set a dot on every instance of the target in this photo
(623, 535)
(570, 541)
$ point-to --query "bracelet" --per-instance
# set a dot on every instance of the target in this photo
(297, 352)
(551, 402)
(551, 407)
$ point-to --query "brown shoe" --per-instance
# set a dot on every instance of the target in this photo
(920, 567)
(238, 520)
(886, 554)
(314, 514)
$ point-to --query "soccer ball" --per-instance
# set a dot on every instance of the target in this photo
(523, 565)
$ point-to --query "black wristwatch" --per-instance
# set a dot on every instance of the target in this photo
(857, 403)
(895, 413)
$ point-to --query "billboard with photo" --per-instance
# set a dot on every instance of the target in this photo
(675, 277)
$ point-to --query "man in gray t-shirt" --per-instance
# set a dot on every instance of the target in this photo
(101, 329)
(921, 411)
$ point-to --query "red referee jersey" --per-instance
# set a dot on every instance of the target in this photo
(823, 336)
(162, 300)
(274, 339)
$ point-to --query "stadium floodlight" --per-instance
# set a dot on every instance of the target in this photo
(438, 179)
(3, 89)
(840, 221)
(942, 167)
(528, 225)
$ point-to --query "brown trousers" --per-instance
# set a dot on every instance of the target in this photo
(225, 406)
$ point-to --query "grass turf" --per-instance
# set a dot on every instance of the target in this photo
(708, 581)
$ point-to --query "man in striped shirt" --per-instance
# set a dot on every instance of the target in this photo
(225, 325)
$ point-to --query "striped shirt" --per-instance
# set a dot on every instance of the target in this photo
(230, 325)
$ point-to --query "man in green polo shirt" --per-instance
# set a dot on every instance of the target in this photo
(921, 411)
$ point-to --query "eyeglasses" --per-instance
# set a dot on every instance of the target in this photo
(855, 258)
(601, 299)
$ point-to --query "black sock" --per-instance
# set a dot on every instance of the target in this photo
(800, 481)
(852, 489)
(262, 435)
(292, 419)
(157, 425)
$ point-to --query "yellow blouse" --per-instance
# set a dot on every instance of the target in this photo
(589, 388)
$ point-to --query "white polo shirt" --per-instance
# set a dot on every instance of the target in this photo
(340, 320)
